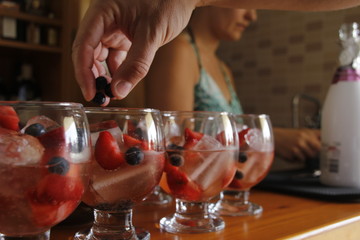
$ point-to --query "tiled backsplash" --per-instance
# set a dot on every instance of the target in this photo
(285, 53)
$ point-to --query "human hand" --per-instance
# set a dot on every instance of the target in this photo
(294, 144)
(125, 35)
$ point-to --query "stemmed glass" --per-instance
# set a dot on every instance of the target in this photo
(44, 158)
(255, 159)
(129, 161)
(202, 150)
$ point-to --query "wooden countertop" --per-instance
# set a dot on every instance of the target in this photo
(284, 217)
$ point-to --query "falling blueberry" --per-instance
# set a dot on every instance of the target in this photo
(176, 160)
(58, 165)
(242, 157)
(99, 98)
(100, 83)
(134, 156)
(35, 129)
(238, 175)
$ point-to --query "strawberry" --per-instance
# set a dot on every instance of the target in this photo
(47, 214)
(130, 141)
(55, 188)
(242, 134)
(9, 118)
(192, 135)
(107, 151)
(180, 185)
(54, 143)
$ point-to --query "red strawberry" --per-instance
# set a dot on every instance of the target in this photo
(54, 143)
(55, 188)
(181, 187)
(242, 134)
(130, 141)
(191, 138)
(107, 151)
(9, 118)
(47, 215)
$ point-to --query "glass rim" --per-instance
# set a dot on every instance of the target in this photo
(261, 115)
(120, 110)
(178, 112)
(41, 104)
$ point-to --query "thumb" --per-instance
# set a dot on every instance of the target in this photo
(135, 66)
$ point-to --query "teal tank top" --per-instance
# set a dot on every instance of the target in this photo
(208, 96)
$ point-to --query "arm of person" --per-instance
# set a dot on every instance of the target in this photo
(293, 144)
(126, 35)
(170, 82)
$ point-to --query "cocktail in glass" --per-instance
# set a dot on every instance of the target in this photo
(202, 149)
(256, 155)
(129, 152)
(44, 158)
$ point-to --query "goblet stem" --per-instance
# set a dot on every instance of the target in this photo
(157, 197)
(113, 225)
(236, 203)
(41, 236)
(192, 217)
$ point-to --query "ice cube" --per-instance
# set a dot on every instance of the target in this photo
(221, 162)
(115, 132)
(48, 123)
(19, 149)
(254, 139)
(207, 143)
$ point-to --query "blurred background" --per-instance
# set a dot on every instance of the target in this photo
(284, 60)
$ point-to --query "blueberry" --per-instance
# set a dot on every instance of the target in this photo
(101, 83)
(58, 165)
(134, 156)
(242, 157)
(176, 160)
(99, 98)
(108, 91)
(238, 175)
(35, 129)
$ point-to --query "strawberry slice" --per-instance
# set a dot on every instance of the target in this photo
(47, 214)
(107, 151)
(55, 188)
(9, 118)
(130, 141)
(180, 186)
(242, 134)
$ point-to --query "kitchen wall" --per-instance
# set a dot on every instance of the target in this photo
(285, 53)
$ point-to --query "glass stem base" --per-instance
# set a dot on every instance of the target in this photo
(235, 203)
(112, 225)
(157, 197)
(192, 217)
(40, 236)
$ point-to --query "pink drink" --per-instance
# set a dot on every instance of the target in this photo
(127, 183)
(40, 183)
(24, 207)
(252, 167)
(201, 176)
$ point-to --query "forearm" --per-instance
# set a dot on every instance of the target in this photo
(300, 5)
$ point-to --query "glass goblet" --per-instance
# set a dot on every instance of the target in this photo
(129, 160)
(44, 158)
(256, 144)
(202, 149)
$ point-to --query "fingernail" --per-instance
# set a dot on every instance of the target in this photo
(123, 88)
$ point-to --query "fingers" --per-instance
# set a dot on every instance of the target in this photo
(83, 52)
(135, 66)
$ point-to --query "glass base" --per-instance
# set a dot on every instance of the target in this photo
(41, 236)
(87, 234)
(235, 203)
(225, 208)
(157, 197)
(191, 217)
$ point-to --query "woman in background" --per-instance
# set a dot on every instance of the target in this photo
(186, 74)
